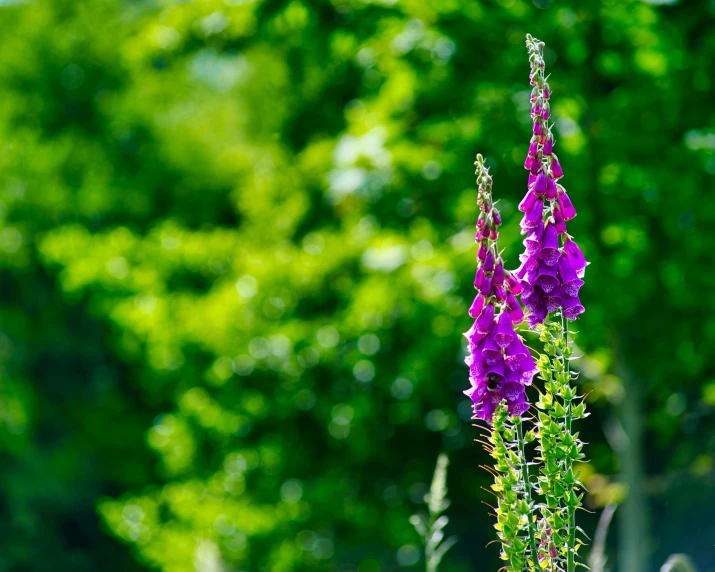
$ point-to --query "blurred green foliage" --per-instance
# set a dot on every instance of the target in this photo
(236, 258)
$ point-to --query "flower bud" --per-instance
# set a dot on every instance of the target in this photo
(485, 320)
(476, 308)
(531, 219)
(549, 145)
(482, 252)
(482, 220)
(496, 217)
(528, 201)
(513, 284)
(565, 204)
(540, 184)
(575, 257)
(489, 261)
(559, 222)
(486, 288)
(479, 278)
(499, 272)
(556, 167)
(550, 188)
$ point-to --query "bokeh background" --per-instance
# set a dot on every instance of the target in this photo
(236, 257)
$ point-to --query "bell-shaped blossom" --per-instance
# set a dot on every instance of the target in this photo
(549, 250)
(531, 219)
(565, 205)
(575, 257)
(572, 307)
(556, 167)
(476, 308)
(570, 282)
(550, 188)
(485, 319)
(528, 201)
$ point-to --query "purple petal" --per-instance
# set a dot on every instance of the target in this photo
(566, 206)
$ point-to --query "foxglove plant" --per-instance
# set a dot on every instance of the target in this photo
(500, 365)
(535, 516)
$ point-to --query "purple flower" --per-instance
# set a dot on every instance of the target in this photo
(514, 285)
(531, 262)
(531, 181)
(533, 147)
(489, 261)
(492, 352)
(565, 204)
(556, 167)
(476, 308)
(559, 221)
(537, 317)
(570, 282)
(486, 288)
(515, 354)
(482, 220)
(533, 300)
(482, 252)
(498, 279)
(514, 308)
(548, 145)
(572, 307)
(537, 128)
(550, 245)
(505, 330)
(540, 184)
(546, 278)
(550, 188)
(479, 278)
(532, 242)
(518, 408)
(485, 319)
(552, 301)
(528, 201)
(531, 219)
(574, 255)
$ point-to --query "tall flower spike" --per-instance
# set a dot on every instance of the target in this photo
(549, 284)
(492, 339)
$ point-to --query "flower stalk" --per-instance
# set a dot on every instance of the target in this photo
(548, 281)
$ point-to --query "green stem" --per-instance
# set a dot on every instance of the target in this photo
(527, 487)
(571, 545)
